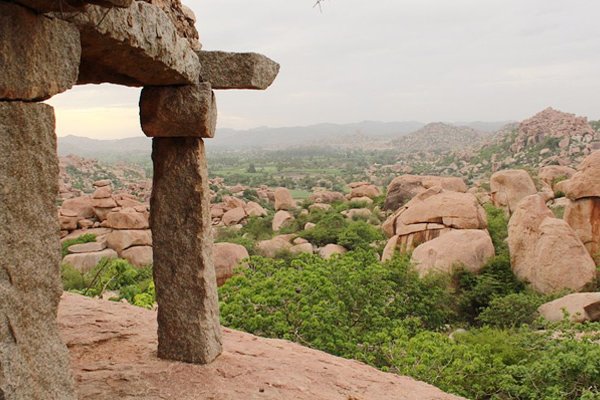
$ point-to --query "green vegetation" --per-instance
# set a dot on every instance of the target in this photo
(130, 283)
(86, 238)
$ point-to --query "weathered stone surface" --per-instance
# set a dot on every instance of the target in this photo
(330, 250)
(583, 216)
(127, 218)
(466, 248)
(403, 188)
(84, 262)
(119, 47)
(120, 240)
(87, 247)
(357, 213)
(586, 182)
(234, 216)
(509, 187)
(237, 70)
(552, 174)
(251, 367)
(139, 256)
(272, 247)
(545, 251)
(253, 209)
(574, 304)
(178, 111)
(228, 256)
(281, 219)
(34, 363)
(184, 273)
(365, 189)
(39, 56)
(390, 248)
(325, 196)
(81, 205)
(284, 200)
(183, 19)
(302, 248)
(44, 6)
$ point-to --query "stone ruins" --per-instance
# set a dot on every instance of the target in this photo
(46, 47)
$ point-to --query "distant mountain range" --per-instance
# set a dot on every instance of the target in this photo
(362, 134)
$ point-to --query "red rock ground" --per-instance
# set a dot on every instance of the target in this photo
(113, 353)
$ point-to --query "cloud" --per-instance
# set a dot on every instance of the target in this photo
(390, 60)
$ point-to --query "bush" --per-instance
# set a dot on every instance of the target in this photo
(497, 227)
(513, 310)
(327, 229)
(133, 284)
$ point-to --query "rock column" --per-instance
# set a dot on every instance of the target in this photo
(34, 364)
(184, 274)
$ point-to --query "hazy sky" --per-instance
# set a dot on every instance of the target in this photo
(386, 60)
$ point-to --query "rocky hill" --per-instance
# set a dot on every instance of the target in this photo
(113, 353)
(438, 136)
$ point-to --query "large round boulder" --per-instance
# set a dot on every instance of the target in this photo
(284, 200)
(509, 187)
(403, 188)
(228, 256)
(464, 248)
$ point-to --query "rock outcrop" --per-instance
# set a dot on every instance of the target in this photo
(580, 307)
(250, 367)
(228, 256)
(545, 251)
(465, 248)
(284, 200)
(403, 188)
(509, 187)
(237, 70)
(430, 214)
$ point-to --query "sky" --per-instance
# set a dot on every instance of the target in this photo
(384, 60)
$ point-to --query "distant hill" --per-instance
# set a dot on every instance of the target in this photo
(439, 136)
(367, 134)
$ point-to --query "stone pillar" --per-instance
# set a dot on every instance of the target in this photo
(34, 363)
(184, 275)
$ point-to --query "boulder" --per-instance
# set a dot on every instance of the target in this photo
(586, 182)
(545, 251)
(465, 248)
(552, 174)
(403, 188)
(100, 233)
(182, 17)
(82, 206)
(237, 70)
(390, 248)
(357, 213)
(253, 209)
(44, 6)
(39, 56)
(139, 256)
(583, 215)
(309, 225)
(284, 200)
(177, 111)
(116, 44)
(303, 248)
(234, 216)
(101, 183)
(281, 220)
(325, 196)
(272, 247)
(84, 262)
(363, 189)
(575, 304)
(127, 218)
(228, 256)
(102, 192)
(120, 240)
(509, 187)
(330, 250)
(87, 247)
(319, 207)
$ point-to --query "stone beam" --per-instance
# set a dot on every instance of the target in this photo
(34, 364)
(184, 274)
(39, 56)
(135, 46)
(178, 111)
(237, 70)
(44, 6)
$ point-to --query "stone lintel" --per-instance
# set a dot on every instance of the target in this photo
(135, 46)
(178, 111)
(184, 273)
(44, 6)
(226, 70)
(39, 56)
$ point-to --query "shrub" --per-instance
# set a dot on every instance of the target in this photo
(497, 227)
(512, 310)
(359, 234)
(327, 229)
